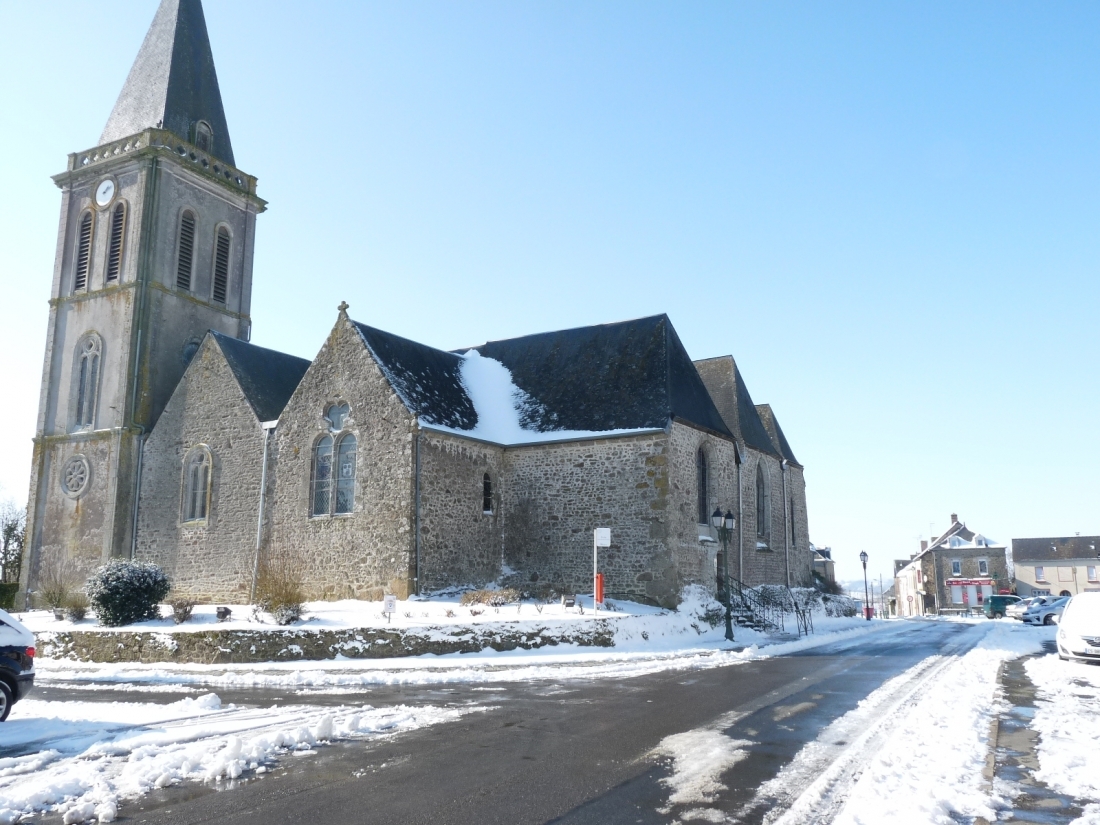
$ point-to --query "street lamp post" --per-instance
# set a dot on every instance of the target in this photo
(866, 601)
(724, 525)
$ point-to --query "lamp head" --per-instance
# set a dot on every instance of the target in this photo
(730, 521)
(863, 557)
(716, 517)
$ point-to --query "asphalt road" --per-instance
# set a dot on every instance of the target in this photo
(566, 752)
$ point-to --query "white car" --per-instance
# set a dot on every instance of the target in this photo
(1016, 611)
(1079, 629)
(1046, 610)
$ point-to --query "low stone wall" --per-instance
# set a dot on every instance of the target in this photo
(255, 646)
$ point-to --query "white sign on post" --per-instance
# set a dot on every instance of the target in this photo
(601, 537)
(389, 605)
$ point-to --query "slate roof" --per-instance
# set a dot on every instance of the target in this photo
(428, 380)
(172, 83)
(771, 424)
(1055, 549)
(626, 375)
(267, 378)
(727, 388)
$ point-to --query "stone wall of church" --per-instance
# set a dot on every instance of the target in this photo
(554, 495)
(369, 551)
(460, 543)
(212, 559)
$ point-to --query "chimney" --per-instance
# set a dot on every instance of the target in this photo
(954, 518)
(923, 546)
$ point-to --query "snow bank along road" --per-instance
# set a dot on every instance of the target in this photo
(851, 731)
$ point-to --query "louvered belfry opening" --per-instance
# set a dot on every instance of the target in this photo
(186, 250)
(221, 265)
(83, 253)
(114, 249)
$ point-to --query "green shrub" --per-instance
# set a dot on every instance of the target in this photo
(123, 592)
(7, 595)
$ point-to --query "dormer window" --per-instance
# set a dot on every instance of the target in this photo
(204, 136)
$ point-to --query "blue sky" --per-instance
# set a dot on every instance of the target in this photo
(886, 212)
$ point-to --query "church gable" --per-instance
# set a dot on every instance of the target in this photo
(726, 386)
(200, 482)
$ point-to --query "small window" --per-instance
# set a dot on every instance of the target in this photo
(204, 136)
(1040, 574)
(918, 577)
(761, 502)
(956, 567)
(221, 265)
(114, 247)
(196, 485)
(336, 415)
(1092, 573)
(701, 486)
(83, 253)
(88, 355)
(487, 495)
(1065, 593)
(793, 542)
(186, 252)
(983, 567)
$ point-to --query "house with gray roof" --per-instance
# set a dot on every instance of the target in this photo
(1056, 565)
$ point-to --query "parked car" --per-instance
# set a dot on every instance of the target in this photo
(1045, 611)
(1016, 611)
(16, 662)
(1079, 629)
(996, 607)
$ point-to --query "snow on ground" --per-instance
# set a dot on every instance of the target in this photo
(561, 662)
(1067, 720)
(928, 731)
(83, 758)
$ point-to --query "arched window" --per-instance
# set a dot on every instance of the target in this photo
(322, 477)
(196, 485)
(345, 480)
(701, 486)
(83, 253)
(487, 495)
(761, 502)
(204, 136)
(88, 353)
(114, 245)
(221, 265)
(793, 537)
(186, 250)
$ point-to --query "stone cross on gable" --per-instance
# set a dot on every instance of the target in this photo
(343, 307)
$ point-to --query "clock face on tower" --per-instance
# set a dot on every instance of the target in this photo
(104, 192)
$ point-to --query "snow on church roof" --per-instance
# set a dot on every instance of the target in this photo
(598, 381)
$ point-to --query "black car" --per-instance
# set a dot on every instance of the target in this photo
(16, 663)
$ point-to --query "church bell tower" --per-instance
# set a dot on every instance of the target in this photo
(154, 249)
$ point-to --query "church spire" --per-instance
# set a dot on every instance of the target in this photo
(173, 85)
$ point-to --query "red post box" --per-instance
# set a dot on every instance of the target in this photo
(599, 588)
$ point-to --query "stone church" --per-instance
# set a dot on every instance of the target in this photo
(383, 465)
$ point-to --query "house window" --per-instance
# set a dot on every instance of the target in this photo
(196, 485)
(918, 577)
(983, 567)
(701, 487)
(761, 502)
(956, 567)
(1092, 573)
(83, 253)
(221, 265)
(487, 495)
(204, 136)
(1040, 574)
(332, 489)
(186, 250)
(114, 246)
(88, 353)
